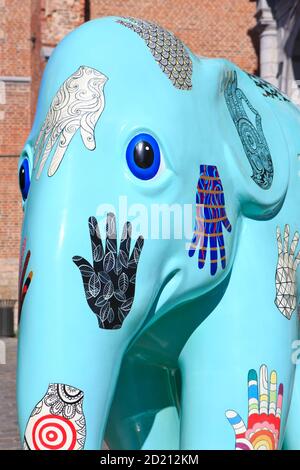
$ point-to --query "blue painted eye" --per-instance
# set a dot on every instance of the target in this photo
(24, 179)
(143, 156)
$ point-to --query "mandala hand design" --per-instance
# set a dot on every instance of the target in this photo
(264, 414)
(248, 123)
(57, 422)
(110, 283)
(285, 278)
(210, 219)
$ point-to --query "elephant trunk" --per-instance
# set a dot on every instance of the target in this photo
(66, 380)
(74, 331)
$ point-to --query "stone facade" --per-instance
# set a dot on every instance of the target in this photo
(29, 29)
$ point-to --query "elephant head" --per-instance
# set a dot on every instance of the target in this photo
(141, 163)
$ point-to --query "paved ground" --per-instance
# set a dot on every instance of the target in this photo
(9, 437)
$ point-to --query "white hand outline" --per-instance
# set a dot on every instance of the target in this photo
(285, 278)
(78, 104)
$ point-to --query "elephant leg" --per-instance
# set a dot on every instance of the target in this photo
(203, 405)
(144, 414)
(235, 384)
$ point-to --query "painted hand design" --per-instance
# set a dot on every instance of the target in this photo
(252, 135)
(110, 283)
(78, 104)
(57, 421)
(268, 90)
(285, 278)
(23, 286)
(210, 219)
(264, 414)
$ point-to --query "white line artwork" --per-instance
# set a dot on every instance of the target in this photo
(78, 104)
(57, 421)
(285, 278)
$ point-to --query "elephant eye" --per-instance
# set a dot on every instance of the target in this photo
(24, 178)
(143, 156)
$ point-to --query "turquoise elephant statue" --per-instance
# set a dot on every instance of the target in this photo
(159, 254)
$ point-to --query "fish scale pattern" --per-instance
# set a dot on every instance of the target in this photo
(168, 51)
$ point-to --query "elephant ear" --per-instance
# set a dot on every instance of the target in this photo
(254, 141)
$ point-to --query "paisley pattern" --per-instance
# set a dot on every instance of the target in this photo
(57, 422)
(109, 284)
(252, 136)
(168, 51)
(78, 104)
(210, 219)
(264, 413)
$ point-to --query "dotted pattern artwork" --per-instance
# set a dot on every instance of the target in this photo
(168, 51)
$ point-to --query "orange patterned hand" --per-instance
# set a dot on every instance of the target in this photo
(211, 219)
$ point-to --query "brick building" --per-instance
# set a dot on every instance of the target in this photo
(29, 29)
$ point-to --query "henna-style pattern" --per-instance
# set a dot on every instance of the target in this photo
(168, 51)
(252, 137)
(210, 219)
(285, 278)
(269, 90)
(109, 284)
(78, 104)
(57, 421)
(23, 286)
(262, 431)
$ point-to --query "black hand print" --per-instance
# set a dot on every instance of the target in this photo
(110, 283)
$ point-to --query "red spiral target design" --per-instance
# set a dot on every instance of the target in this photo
(52, 432)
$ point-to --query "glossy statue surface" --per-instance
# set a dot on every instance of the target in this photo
(159, 255)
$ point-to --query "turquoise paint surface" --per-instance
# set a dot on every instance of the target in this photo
(197, 335)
